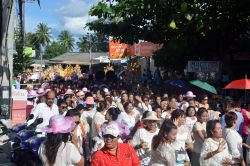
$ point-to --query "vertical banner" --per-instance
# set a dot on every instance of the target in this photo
(19, 97)
(117, 50)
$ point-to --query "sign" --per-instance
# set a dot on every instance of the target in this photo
(147, 48)
(19, 105)
(104, 59)
(203, 66)
(117, 50)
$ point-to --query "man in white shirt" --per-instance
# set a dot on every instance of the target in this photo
(45, 110)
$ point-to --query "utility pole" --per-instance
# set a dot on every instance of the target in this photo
(6, 49)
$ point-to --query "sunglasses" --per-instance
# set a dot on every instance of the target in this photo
(77, 122)
(109, 136)
(63, 107)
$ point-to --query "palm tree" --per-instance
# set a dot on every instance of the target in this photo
(66, 40)
(83, 44)
(43, 34)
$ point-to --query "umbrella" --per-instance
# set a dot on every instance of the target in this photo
(239, 84)
(204, 85)
(177, 83)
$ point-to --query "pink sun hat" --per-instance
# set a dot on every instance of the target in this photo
(189, 94)
(59, 124)
(40, 92)
(89, 100)
(32, 94)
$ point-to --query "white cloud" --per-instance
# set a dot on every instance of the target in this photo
(74, 15)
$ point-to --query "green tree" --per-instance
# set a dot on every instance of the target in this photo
(97, 42)
(43, 34)
(54, 50)
(188, 29)
(83, 44)
(20, 59)
(66, 40)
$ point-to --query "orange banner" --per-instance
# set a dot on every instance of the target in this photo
(117, 50)
(147, 48)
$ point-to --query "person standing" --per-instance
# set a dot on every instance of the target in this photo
(199, 134)
(45, 110)
(214, 151)
(162, 153)
(114, 153)
(57, 148)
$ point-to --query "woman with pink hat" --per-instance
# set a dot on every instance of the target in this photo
(57, 148)
(41, 96)
(189, 98)
(89, 114)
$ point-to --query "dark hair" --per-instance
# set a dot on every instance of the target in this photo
(73, 112)
(202, 97)
(125, 105)
(210, 127)
(166, 128)
(188, 108)
(144, 115)
(176, 114)
(101, 106)
(52, 144)
(88, 94)
(114, 112)
(201, 111)
(230, 117)
(80, 107)
(228, 101)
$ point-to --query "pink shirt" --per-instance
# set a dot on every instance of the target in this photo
(246, 122)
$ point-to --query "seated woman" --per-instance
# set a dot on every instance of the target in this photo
(214, 151)
(57, 148)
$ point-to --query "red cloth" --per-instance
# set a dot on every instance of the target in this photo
(126, 156)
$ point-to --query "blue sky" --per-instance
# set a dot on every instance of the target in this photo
(60, 15)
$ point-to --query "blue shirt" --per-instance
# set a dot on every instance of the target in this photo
(240, 121)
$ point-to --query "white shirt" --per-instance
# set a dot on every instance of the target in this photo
(98, 119)
(43, 111)
(234, 141)
(144, 107)
(190, 123)
(126, 121)
(197, 140)
(183, 136)
(67, 155)
(210, 145)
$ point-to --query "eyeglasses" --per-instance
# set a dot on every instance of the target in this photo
(77, 122)
(63, 107)
(109, 136)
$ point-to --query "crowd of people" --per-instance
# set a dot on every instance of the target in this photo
(101, 125)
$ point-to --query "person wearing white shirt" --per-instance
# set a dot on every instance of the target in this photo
(144, 105)
(233, 138)
(45, 110)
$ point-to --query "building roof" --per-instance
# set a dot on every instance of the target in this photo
(77, 58)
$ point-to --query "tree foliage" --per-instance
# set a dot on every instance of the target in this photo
(66, 40)
(97, 43)
(43, 34)
(54, 50)
(189, 29)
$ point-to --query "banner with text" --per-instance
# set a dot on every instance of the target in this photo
(117, 50)
(203, 66)
(19, 106)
